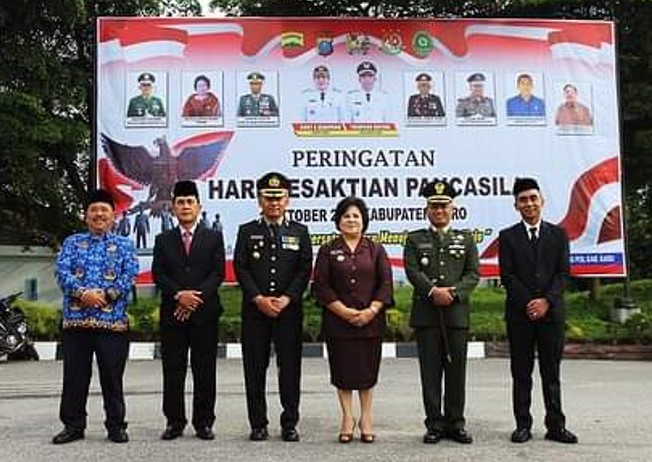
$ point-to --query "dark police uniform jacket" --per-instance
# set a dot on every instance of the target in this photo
(270, 266)
(451, 261)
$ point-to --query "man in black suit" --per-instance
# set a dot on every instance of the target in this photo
(534, 263)
(188, 268)
(272, 262)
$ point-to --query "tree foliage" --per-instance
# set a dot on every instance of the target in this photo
(46, 51)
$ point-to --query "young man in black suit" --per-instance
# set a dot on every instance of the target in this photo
(534, 263)
(272, 262)
(188, 268)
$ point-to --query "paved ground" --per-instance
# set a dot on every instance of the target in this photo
(608, 404)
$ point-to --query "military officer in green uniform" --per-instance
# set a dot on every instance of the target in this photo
(256, 103)
(146, 104)
(442, 265)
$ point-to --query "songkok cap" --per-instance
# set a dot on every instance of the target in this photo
(185, 188)
(423, 77)
(524, 184)
(320, 70)
(366, 67)
(100, 195)
(273, 184)
(255, 77)
(438, 192)
(146, 77)
(477, 77)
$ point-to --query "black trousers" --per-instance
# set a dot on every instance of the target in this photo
(257, 336)
(111, 350)
(201, 341)
(433, 366)
(547, 339)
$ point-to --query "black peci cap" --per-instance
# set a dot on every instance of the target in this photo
(100, 195)
(524, 184)
(185, 188)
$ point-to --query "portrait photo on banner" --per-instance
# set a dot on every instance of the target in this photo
(202, 96)
(425, 97)
(146, 98)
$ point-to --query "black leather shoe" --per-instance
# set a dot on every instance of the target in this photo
(205, 433)
(290, 434)
(433, 436)
(68, 435)
(561, 435)
(521, 435)
(258, 434)
(118, 435)
(172, 432)
(460, 435)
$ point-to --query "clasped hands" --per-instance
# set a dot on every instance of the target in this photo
(272, 306)
(537, 308)
(93, 298)
(359, 318)
(443, 296)
(188, 301)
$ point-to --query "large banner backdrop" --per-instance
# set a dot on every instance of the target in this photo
(372, 108)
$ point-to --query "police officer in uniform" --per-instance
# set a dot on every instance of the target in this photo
(442, 265)
(321, 103)
(476, 105)
(272, 261)
(367, 104)
(424, 103)
(256, 103)
(146, 104)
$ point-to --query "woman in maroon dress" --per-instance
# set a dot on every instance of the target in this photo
(353, 284)
(202, 103)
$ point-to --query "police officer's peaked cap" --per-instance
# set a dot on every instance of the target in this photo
(273, 184)
(366, 67)
(423, 77)
(146, 77)
(524, 184)
(185, 188)
(477, 77)
(255, 77)
(438, 192)
(321, 70)
(100, 195)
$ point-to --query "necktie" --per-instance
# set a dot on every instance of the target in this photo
(273, 231)
(187, 240)
(533, 236)
(322, 96)
(368, 97)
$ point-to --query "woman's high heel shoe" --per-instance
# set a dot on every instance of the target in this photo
(366, 437)
(347, 437)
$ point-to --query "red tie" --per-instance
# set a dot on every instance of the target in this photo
(187, 240)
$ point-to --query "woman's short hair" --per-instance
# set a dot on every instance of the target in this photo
(343, 206)
(204, 78)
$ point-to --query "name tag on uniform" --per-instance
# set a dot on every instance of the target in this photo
(290, 242)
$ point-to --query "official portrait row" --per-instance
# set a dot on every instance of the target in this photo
(424, 100)
(352, 283)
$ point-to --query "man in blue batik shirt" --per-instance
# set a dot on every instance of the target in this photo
(96, 272)
(525, 104)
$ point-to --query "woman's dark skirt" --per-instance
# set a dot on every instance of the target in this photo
(354, 362)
